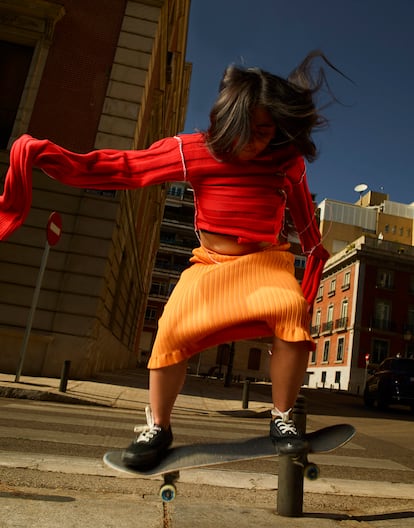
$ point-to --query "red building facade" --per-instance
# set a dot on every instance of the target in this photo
(363, 313)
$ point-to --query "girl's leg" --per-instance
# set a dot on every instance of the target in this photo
(288, 365)
(287, 368)
(152, 444)
(165, 385)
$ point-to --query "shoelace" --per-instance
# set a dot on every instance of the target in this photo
(147, 432)
(284, 423)
(286, 427)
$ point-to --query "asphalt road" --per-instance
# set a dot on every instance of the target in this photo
(73, 430)
(50, 459)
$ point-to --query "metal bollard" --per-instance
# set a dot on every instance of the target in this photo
(246, 390)
(290, 487)
(64, 376)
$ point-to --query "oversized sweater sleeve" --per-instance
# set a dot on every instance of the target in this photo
(99, 169)
(302, 211)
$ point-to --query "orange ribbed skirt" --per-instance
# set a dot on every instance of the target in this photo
(222, 298)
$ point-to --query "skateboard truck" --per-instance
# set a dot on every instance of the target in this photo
(310, 470)
(168, 490)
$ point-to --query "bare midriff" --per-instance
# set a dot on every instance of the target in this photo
(228, 245)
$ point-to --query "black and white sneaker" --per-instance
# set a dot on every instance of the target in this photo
(284, 435)
(149, 448)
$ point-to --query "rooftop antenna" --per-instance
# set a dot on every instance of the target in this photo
(360, 188)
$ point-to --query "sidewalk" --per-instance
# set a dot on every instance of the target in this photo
(129, 390)
(385, 505)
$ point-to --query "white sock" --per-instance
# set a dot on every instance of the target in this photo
(283, 414)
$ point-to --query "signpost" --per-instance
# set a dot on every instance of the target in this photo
(54, 229)
(53, 234)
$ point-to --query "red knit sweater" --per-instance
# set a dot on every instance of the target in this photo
(246, 199)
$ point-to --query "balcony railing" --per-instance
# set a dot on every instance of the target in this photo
(327, 327)
(315, 330)
(383, 324)
(341, 324)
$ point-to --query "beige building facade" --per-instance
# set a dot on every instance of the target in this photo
(121, 82)
(373, 215)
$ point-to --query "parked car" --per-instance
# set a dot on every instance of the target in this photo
(391, 383)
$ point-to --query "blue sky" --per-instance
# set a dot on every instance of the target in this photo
(370, 138)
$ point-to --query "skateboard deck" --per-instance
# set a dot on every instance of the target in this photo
(210, 454)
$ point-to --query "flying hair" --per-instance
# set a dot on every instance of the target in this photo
(291, 102)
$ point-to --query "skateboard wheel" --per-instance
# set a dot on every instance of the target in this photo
(167, 492)
(311, 471)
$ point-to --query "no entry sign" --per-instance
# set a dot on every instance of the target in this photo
(53, 233)
(54, 228)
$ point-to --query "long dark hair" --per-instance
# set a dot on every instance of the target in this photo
(289, 101)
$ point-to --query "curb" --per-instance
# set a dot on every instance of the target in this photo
(41, 395)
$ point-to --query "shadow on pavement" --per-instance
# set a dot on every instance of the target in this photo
(319, 401)
(35, 496)
(361, 518)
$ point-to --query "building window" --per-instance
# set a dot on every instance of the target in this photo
(223, 355)
(332, 287)
(176, 190)
(325, 356)
(342, 322)
(15, 62)
(347, 280)
(338, 378)
(316, 328)
(344, 309)
(159, 289)
(313, 357)
(319, 295)
(382, 315)
(167, 237)
(330, 317)
(171, 286)
(340, 350)
(410, 319)
(327, 327)
(255, 355)
(318, 316)
(380, 350)
(385, 279)
(26, 31)
(300, 262)
(150, 314)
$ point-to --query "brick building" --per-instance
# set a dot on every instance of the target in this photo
(364, 310)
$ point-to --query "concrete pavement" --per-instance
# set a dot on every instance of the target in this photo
(381, 504)
(129, 390)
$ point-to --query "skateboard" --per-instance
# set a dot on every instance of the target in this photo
(211, 454)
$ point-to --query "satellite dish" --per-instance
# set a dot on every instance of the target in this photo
(361, 187)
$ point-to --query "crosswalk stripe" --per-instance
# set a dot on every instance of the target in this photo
(112, 440)
(131, 417)
(258, 427)
(114, 428)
